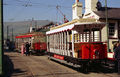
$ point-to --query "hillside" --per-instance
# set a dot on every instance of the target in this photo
(21, 27)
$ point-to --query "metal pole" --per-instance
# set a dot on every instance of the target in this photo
(7, 32)
(1, 37)
(107, 27)
(12, 35)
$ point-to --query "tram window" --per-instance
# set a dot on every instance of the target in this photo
(111, 29)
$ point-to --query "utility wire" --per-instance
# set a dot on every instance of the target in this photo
(34, 3)
(29, 3)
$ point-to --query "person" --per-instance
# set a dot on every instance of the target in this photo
(114, 46)
(27, 46)
(8, 44)
(117, 57)
(22, 49)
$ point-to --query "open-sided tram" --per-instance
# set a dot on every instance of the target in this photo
(77, 42)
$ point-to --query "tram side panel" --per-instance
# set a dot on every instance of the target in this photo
(39, 48)
(83, 51)
(93, 51)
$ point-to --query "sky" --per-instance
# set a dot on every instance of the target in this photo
(24, 10)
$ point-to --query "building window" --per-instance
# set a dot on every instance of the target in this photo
(111, 29)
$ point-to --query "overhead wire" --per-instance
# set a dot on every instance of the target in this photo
(36, 4)
(33, 5)
(18, 13)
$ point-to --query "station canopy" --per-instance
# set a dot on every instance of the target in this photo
(76, 26)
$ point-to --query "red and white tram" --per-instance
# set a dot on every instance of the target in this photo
(78, 42)
(37, 40)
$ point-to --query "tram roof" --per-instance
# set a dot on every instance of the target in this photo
(24, 36)
(28, 35)
(85, 20)
(77, 24)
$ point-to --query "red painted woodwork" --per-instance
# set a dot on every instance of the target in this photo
(40, 46)
(94, 51)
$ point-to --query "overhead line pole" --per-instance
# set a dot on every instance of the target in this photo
(107, 26)
(65, 19)
(12, 35)
(7, 32)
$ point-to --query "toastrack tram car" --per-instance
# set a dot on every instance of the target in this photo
(78, 42)
(36, 39)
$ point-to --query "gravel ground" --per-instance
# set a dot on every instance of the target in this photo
(17, 65)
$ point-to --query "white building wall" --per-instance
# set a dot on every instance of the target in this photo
(112, 38)
(116, 30)
(91, 15)
(115, 37)
(104, 34)
(77, 10)
(90, 5)
(87, 6)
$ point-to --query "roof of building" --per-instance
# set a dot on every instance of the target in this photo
(113, 13)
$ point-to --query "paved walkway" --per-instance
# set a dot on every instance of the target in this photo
(18, 65)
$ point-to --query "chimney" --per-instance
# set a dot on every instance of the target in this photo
(77, 10)
(90, 5)
(76, 1)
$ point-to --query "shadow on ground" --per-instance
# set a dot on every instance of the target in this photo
(8, 67)
(94, 68)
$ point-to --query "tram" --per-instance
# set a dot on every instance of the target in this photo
(78, 42)
(36, 39)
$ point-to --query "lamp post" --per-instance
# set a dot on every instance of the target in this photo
(107, 26)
